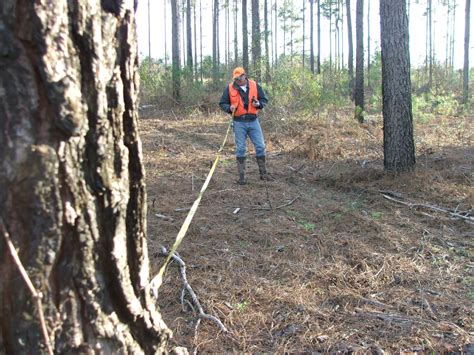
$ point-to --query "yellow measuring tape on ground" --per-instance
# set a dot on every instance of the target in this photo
(158, 279)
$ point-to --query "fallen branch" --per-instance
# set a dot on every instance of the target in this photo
(188, 288)
(278, 207)
(36, 295)
(288, 203)
(466, 217)
(401, 318)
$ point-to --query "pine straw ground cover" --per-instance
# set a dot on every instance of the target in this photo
(339, 269)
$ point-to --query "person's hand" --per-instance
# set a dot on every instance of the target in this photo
(255, 103)
(232, 108)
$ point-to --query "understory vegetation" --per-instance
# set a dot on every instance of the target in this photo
(292, 89)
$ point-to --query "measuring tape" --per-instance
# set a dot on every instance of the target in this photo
(158, 279)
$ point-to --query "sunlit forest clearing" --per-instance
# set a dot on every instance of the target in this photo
(141, 211)
(341, 268)
(336, 254)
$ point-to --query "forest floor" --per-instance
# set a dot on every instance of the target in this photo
(317, 260)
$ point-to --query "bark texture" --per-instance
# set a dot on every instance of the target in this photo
(72, 189)
(399, 147)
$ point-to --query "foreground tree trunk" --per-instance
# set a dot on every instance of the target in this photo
(72, 188)
(399, 148)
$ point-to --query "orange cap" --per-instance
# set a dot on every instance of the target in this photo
(237, 72)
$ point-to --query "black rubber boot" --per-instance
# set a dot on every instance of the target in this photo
(241, 169)
(262, 169)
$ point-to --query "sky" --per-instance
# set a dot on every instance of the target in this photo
(417, 30)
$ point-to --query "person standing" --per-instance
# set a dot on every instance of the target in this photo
(244, 98)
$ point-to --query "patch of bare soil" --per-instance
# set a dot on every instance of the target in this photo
(317, 260)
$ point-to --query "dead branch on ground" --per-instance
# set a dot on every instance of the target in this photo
(278, 207)
(466, 216)
(187, 288)
(36, 295)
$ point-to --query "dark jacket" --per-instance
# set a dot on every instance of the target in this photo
(225, 101)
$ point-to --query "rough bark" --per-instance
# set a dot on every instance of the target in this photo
(359, 79)
(399, 147)
(72, 188)
(256, 46)
(465, 85)
(350, 60)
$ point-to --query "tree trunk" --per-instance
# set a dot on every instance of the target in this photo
(342, 35)
(304, 33)
(183, 31)
(245, 39)
(256, 46)
(175, 52)
(448, 26)
(350, 61)
(72, 186)
(430, 41)
(283, 14)
(189, 38)
(226, 53)
(236, 42)
(359, 80)
(330, 35)
(267, 48)
(195, 42)
(311, 35)
(276, 33)
(368, 43)
(318, 62)
(200, 38)
(165, 33)
(215, 40)
(149, 33)
(453, 33)
(465, 86)
(399, 148)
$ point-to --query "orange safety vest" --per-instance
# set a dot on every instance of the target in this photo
(236, 99)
